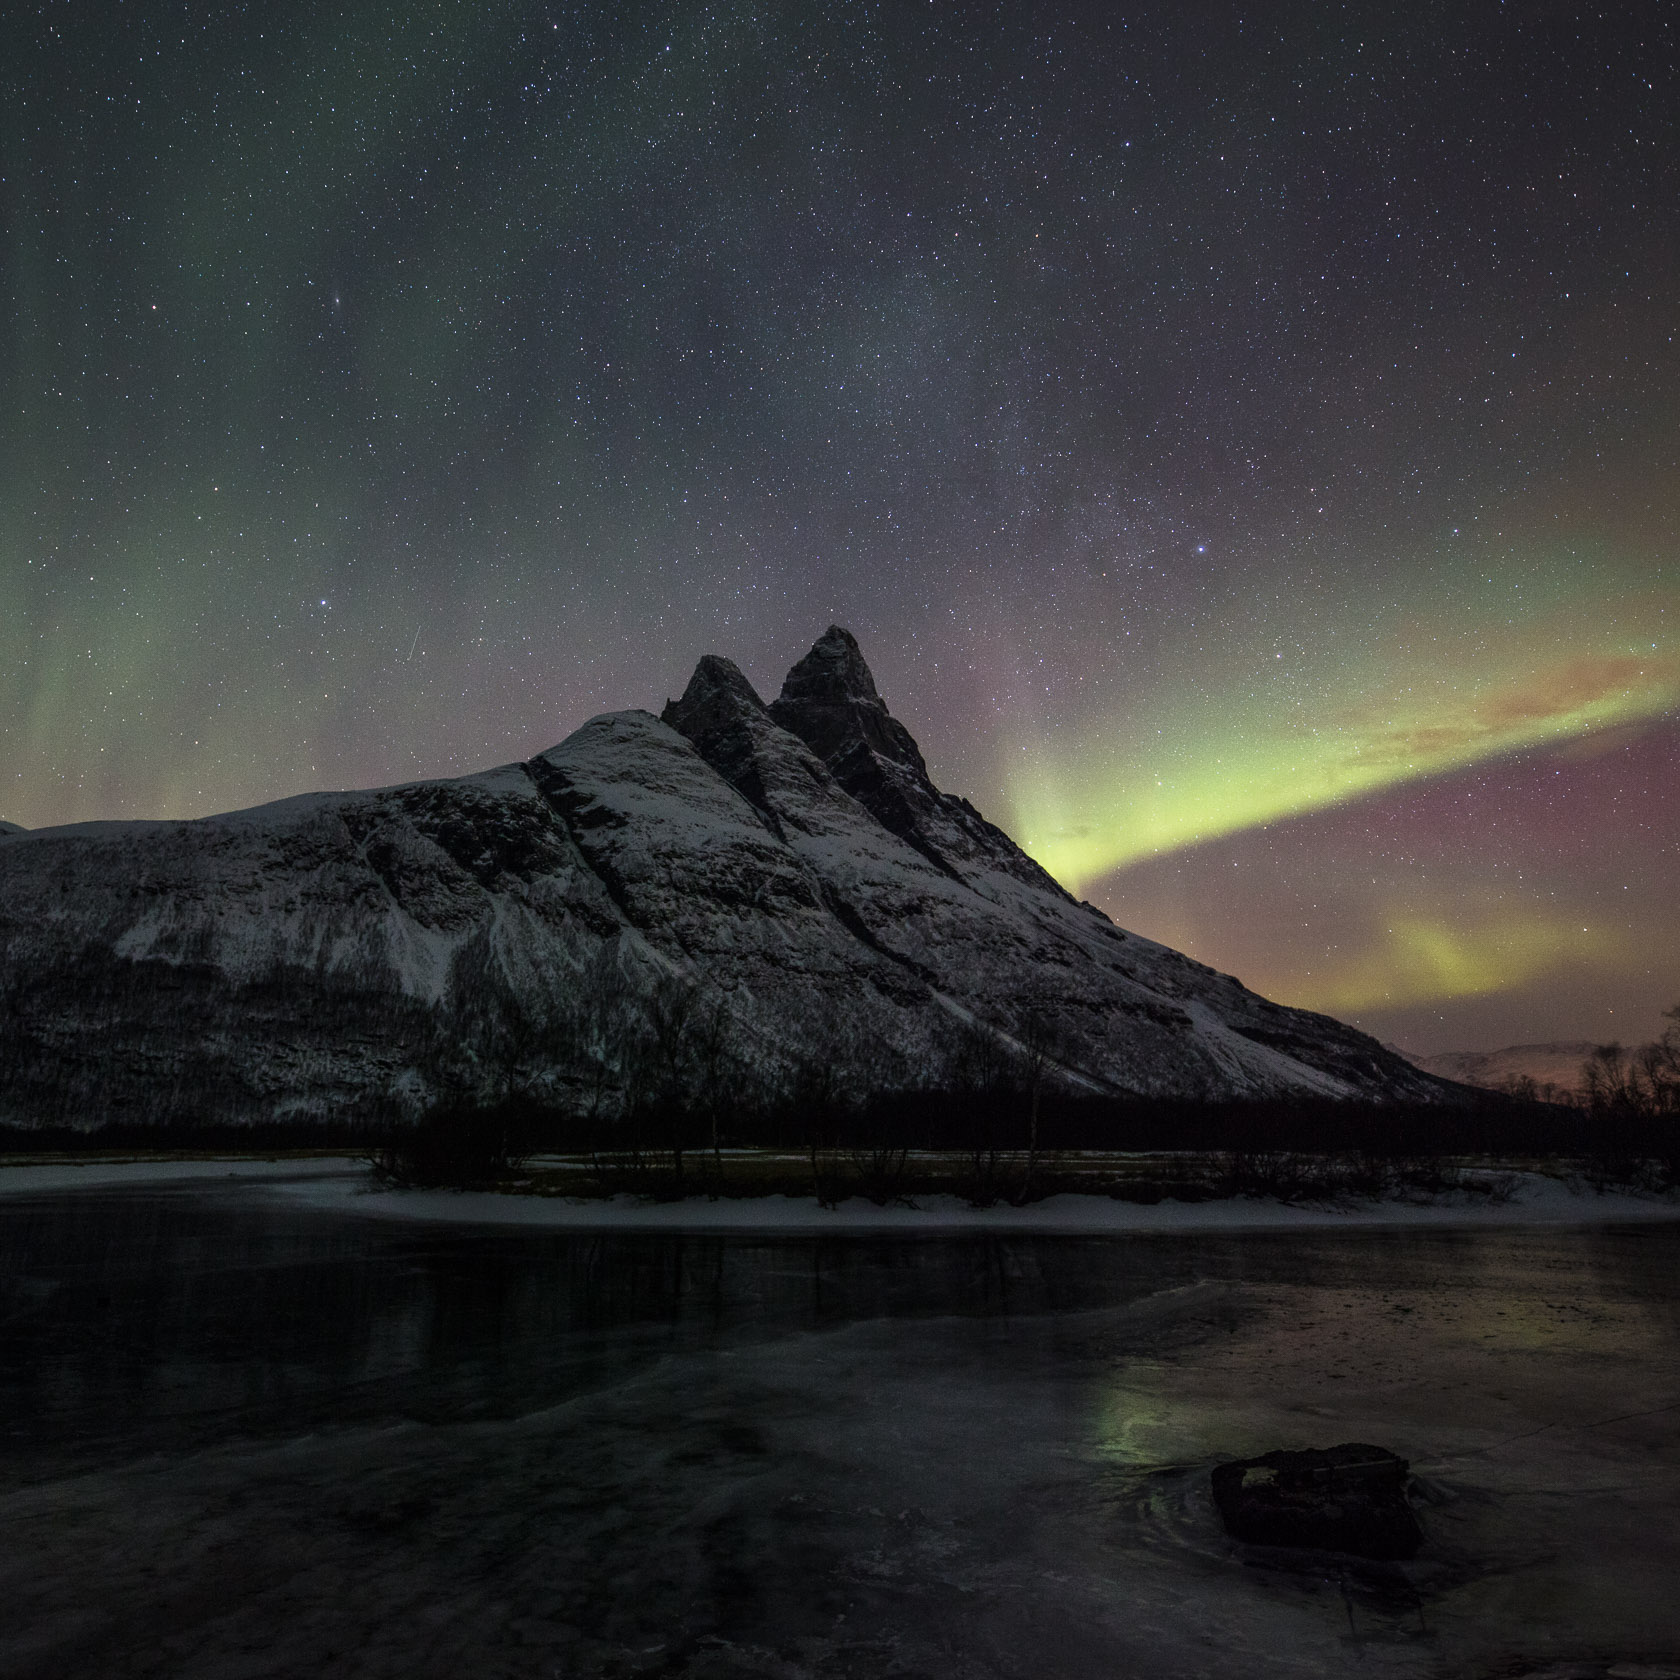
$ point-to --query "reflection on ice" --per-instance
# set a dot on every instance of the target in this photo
(248, 1441)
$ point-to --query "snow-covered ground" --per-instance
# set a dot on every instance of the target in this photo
(19, 1177)
(343, 1185)
(1535, 1200)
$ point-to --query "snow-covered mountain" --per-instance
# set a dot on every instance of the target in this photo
(1557, 1065)
(790, 870)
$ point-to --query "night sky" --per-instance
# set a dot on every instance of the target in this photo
(1245, 440)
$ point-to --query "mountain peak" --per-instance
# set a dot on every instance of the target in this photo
(831, 703)
(834, 671)
(722, 716)
(718, 689)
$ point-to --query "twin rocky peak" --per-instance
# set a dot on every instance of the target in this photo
(830, 729)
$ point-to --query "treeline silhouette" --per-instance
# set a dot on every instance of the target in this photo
(672, 1145)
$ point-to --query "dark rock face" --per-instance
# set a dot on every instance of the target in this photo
(721, 713)
(793, 864)
(830, 702)
(1350, 1498)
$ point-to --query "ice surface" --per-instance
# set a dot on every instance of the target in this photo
(249, 1438)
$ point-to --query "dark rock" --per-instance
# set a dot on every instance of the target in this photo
(721, 713)
(830, 702)
(1350, 1498)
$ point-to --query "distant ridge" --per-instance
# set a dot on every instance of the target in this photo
(1557, 1064)
(789, 871)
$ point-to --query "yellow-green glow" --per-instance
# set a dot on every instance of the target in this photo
(1419, 958)
(1331, 726)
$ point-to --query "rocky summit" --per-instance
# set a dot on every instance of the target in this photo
(787, 871)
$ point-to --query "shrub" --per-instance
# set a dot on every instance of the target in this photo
(457, 1144)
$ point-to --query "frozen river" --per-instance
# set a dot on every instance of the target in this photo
(244, 1438)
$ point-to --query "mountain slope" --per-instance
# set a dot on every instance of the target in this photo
(790, 869)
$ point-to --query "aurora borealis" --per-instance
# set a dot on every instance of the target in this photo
(1245, 441)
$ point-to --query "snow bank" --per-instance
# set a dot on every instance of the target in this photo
(1538, 1200)
(341, 1184)
(18, 1178)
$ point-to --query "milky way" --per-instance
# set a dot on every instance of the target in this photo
(1244, 440)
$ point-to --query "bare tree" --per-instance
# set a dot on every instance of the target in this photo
(671, 1012)
(1610, 1078)
(602, 1029)
(817, 1095)
(1645, 1081)
(1634, 1099)
(607, 1060)
(711, 1031)
(1040, 1038)
(1659, 1066)
(982, 1072)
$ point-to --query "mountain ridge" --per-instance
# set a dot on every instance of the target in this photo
(791, 865)
(1556, 1063)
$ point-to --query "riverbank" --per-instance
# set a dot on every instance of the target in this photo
(1532, 1199)
(343, 1185)
(19, 1177)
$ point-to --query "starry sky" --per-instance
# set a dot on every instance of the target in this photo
(1246, 440)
